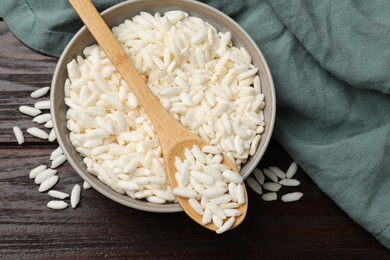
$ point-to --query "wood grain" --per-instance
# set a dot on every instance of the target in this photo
(99, 228)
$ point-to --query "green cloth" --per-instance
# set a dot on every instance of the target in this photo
(331, 65)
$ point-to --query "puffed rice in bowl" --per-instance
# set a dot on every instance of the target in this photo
(227, 99)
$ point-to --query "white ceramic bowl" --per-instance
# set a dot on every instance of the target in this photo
(115, 16)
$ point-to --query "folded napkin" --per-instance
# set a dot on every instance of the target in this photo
(331, 65)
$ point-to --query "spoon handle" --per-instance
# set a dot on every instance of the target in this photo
(104, 37)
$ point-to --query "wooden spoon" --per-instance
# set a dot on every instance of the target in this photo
(173, 137)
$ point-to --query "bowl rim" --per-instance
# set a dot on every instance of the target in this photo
(112, 194)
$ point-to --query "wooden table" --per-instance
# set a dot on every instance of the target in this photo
(99, 227)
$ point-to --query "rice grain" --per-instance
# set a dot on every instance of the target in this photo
(58, 194)
(48, 183)
(30, 111)
(256, 187)
(57, 204)
(18, 134)
(39, 133)
(290, 197)
(226, 226)
(58, 161)
(75, 195)
(292, 169)
(270, 196)
(40, 92)
(289, 182)
(37, 170)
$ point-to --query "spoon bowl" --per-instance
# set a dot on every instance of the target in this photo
(173, 137)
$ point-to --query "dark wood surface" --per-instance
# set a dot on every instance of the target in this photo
(314, 227)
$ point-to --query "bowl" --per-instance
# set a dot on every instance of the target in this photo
(115, 16)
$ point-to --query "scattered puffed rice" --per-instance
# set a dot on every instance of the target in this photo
(18, 134)
(270, 196)
(273, 173)
(40, 92)
(294, 196)
(37, 170)
(57, 204)
(58, 194)
(45, 104)
(271, 186)
(30, 111)
(58, 161)
(86, 185)
(278, 172)
(44, 175)
(292, 169)
(48, 183)
(35, 131)
(254, 185)
(289, 182)
(75, 196)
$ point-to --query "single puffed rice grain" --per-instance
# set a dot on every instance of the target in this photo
(223, 199)
(35, 131)
(58, 194)
(143, 194)
(270, 196)
(40, 92)
(48, 183)
(58, 161)
(254, 145)
(232, 212)
(254, 185)
(214, 192)
(163, 194)
(217, 221)
(183, 192)
(211, 149)
(289, 182)
(75, 195)
(30, 111)
(292, 169)
(18, 134)
(232, 189)
(195, 206)
(259, 175)
(43, 118)
(278, 172)
(206, 218)
(57, 152)
(240, 194)
(226, 226)
(290, 197)
(44, 175)
(202, 177)
(156, 200)
(232, 176)
(45, 104)
(271, 175)
(57, 204)
(52, 136)
(271, 186)
(37, 170)
(129, 185)
(49, 124)
(86, 185)
(230, 205)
